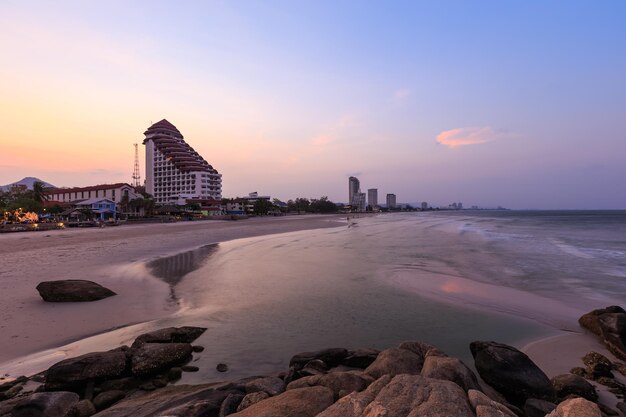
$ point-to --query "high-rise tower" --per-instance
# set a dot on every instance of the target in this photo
(175, 172)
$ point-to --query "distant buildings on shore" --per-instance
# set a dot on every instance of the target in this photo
(391, 201)
(372, 197)
(175, 172)
(355, 197)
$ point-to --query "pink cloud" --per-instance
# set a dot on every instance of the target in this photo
(468, 136)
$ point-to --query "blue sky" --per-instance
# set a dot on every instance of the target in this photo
(510, 103)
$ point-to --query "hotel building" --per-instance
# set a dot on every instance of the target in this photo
(175, 173)
(391, 201)
(372, 197)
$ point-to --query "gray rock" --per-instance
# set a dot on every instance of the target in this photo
(230, 404)
(271, 385)
(72, 290)
(353, 405)
(314, 367)
(174, 373)
(186, 334)
(120, 384)
(107, 398)
(301, 402)
(613, 326)
(598, 365)
(621, 407)
(570, 384)
(421, 349)
(46, 404)
(189, 368)
(84, 408)
(331, 357)
(591, 322)
(151, 358)
(221, 367)
(576, 407)
(450, 369)
(251, 399)
(360, 358)
(75, 371)
(488, 406)
(340, 383)
(510, 372)
(535, 407)
(395, 361)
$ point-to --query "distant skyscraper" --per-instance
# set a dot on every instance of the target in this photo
(391, 201)
(424, 205)
(372, 197)
(355, 196)
(175, 172)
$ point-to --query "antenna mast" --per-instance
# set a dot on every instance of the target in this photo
(136, 176)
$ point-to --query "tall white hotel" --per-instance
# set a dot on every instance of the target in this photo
(175, 172)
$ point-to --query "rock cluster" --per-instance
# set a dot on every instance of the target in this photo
(610, 325)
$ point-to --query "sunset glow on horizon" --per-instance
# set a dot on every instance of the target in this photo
(489, 103)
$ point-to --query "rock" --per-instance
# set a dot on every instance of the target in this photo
(10, 384)
(395, 361)
(174, 374)
(613, 326)
(486, 411)
(404, 395)
(576, 407)
(46, 404)
(160, 381)
(84, 408)
(510, 372)
(301, 402)
(172, 401)
(360, 358)
(186, 334)
(606, 410)
(189, 368)
(197, 348)
(107, 398)
(74, 372)
(221, 367)
(421, 349)
(72, 290)
(230, 404)
(535, 407)
(271, 385)
(591, 322)
(340, 383)
(477, 398)
(120, 384)
(568, 384)
(314, 367)
(11, 392)
(331, 357)
(251, 399)
(450, 369)
(151, 358)
(597, 365)
(353, 405)
(578, 371)
(621, 407)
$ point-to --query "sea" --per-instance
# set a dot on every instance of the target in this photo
(446, 278)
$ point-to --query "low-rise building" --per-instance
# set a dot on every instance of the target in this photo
(114, 192)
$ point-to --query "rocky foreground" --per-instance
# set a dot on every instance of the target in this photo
(413, 379)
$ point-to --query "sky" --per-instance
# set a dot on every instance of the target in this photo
(514, 103)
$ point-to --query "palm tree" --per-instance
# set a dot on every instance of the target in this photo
(39, 192)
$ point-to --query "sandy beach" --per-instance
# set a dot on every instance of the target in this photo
(114, 258)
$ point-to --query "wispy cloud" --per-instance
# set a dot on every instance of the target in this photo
(469, 136)
(401, 94)
(334, 131)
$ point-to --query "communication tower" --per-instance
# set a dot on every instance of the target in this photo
(136, 176)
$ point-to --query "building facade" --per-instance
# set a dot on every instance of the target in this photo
(175, 172)
(355, 197)
(372, 197)
(391, 201)
(114, 192)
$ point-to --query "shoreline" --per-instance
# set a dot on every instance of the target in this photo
(115, 258)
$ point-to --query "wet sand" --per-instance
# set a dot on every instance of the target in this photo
(113, 257)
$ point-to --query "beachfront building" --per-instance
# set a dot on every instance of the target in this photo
(175, 172)
(114, 192)
(372, 197)
(391, 201)
(102, 208)
(355, 196)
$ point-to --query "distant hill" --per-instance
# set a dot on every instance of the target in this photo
(28, 182)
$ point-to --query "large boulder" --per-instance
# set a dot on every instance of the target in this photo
(535, 407)
(395, 361)
(450, 369)
(598, 365)
(360, 358)
(251, 399)
(152, 358)
(570, 384)
(341, 383)
(72, 372)
(301, 402)
(421, 349)
(331, 357)
(186, 334)
(354, 404)
(486, 406)
(576, 407)
(72, 290)
(271, 385)
(46, 404)
(510, 372)
(610, 325)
